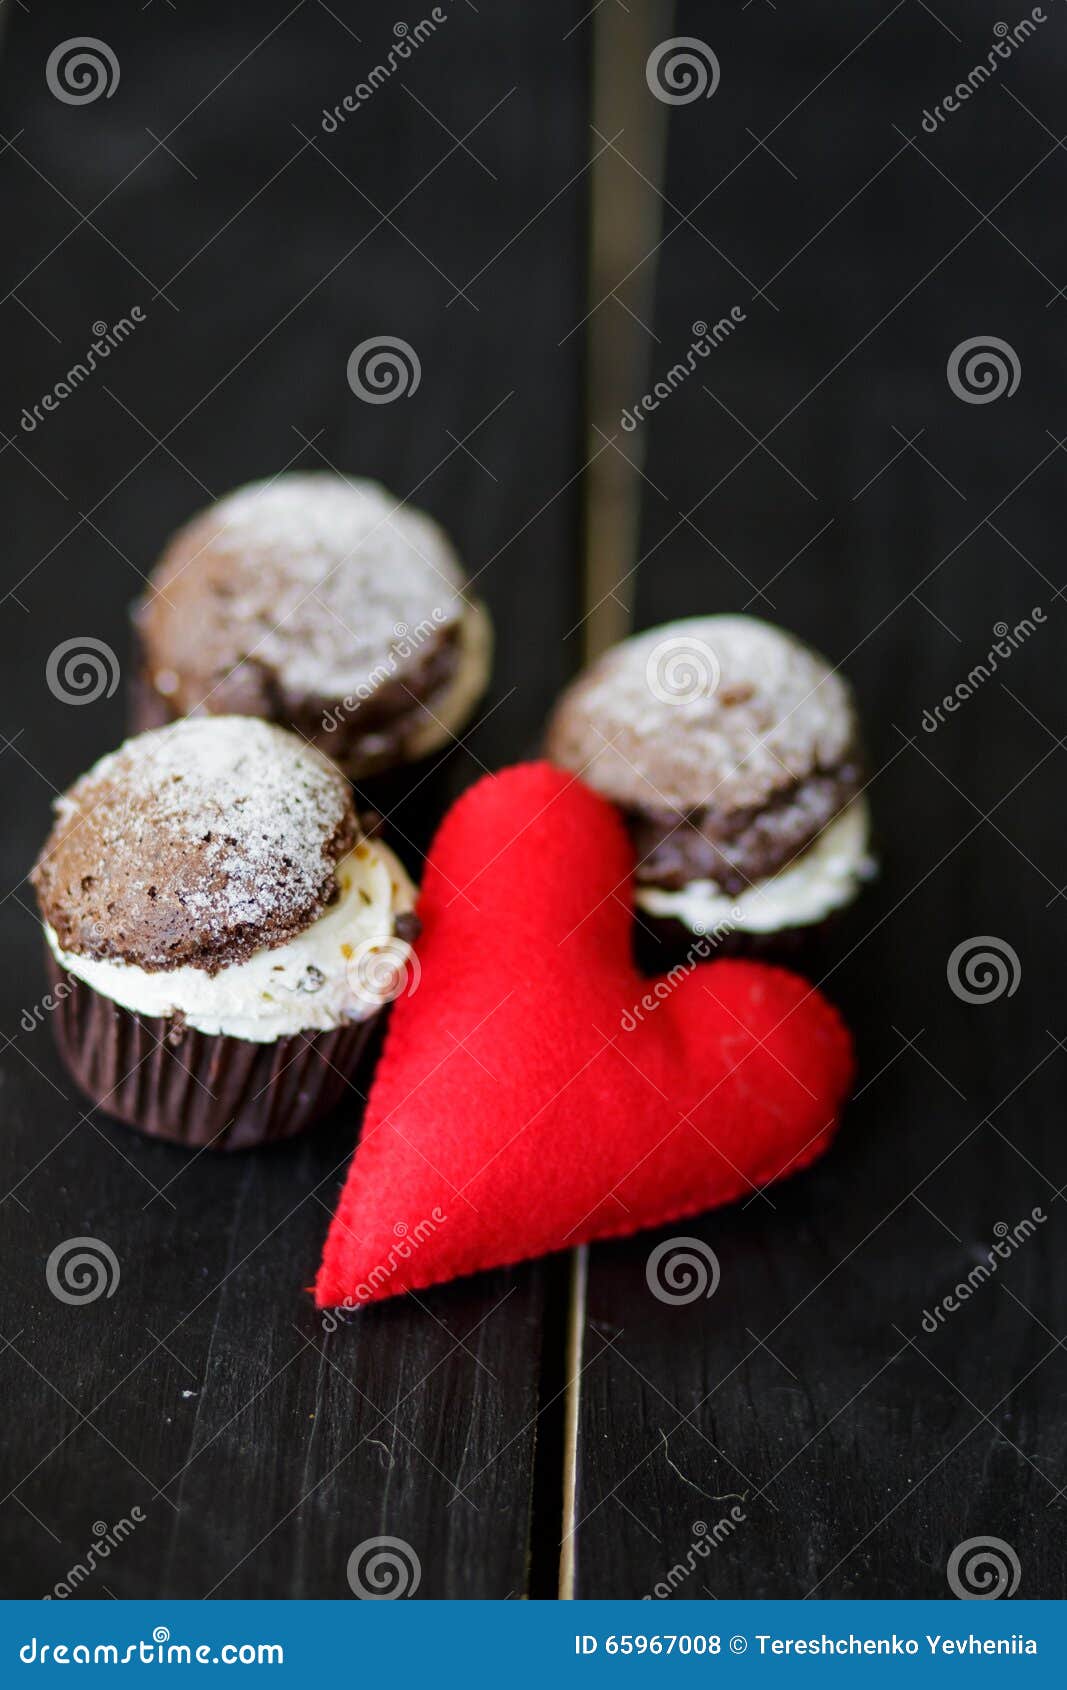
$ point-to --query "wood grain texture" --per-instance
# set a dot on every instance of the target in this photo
(818, 470)
(261, 249)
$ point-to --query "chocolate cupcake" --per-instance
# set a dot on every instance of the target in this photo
(225, 932)
(322, 604)
(733, 752)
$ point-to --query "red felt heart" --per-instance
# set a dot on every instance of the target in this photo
(527, 1097)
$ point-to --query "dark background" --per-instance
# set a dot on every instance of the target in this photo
(818, 470)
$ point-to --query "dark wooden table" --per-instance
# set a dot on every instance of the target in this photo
(818, 469)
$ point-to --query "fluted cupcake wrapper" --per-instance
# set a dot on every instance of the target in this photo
(198, 1089)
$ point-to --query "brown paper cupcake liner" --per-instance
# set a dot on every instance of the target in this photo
(198, 1089)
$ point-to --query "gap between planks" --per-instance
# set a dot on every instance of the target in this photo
(625, 224)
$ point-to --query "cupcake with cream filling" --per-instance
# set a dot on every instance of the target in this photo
(734, 754)
(225, 932)
(321, 603)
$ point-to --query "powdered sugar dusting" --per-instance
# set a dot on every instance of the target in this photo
(316, 577)
(753, 711)
(255, 811)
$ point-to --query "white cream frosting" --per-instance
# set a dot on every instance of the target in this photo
(822, 879)
(341, 968)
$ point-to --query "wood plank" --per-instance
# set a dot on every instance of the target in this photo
(861, 1448)
(262, 248)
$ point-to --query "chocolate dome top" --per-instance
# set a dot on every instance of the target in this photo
(296, 589)
(725, 712)
(198, 843)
